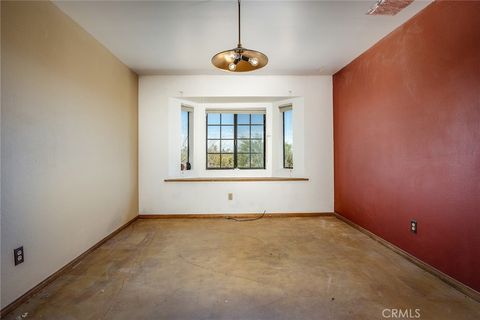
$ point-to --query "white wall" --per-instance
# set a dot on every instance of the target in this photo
(69, 143)
(156, 94)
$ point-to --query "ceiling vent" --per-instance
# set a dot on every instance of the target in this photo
(388, 7)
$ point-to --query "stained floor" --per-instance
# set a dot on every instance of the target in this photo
(284, 268)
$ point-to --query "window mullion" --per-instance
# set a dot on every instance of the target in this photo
(250, 136)
(221, 155)
(235, 162)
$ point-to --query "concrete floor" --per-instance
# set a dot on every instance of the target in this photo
(286, 268)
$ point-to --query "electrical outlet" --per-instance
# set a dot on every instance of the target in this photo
(18, 255)
(230, 196)
(413, 226)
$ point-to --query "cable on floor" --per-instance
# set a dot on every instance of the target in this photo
(247, 219)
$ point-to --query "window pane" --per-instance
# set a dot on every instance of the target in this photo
(257, 118)
(243, 132)
(227, 146)
(184, 155)
(243, 119)
(227, 132)
(227, 160)
(257, 161)
(214, 146)
(257, 132)
(287, 139)
(243, 161)
(288, 157)
(257, 146)
(213, 132)
(213, 161)
(243, 146)
(230, 146)
(184, 137)
(213, 118)
(227, 118)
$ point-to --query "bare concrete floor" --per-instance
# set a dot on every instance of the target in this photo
(287, 268)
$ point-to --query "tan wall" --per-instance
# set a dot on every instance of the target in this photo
(68, 143)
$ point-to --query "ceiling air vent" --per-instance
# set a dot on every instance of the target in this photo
(388, 7)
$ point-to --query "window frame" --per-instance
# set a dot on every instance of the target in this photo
(283, 110)
(235, 140)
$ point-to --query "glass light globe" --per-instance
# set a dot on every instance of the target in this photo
(232, 66)
(233, 56)
(253, 61)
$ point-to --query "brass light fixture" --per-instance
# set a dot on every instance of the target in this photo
(239, 59)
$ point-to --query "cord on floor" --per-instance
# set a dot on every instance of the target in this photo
(247, 219)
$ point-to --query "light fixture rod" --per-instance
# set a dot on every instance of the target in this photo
(239, 42)
(239, 59)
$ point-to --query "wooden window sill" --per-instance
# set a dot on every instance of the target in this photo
(236, 179)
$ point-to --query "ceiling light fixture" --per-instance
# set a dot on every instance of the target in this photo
(239, 59)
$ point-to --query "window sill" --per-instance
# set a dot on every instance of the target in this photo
(236, 179)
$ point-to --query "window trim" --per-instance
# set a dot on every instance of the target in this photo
(284, 109)
(235, 139)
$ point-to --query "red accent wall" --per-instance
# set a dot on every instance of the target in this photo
(407, 138)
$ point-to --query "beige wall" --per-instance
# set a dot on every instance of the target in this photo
(68, 143)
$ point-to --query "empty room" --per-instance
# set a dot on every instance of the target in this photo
(240, 159)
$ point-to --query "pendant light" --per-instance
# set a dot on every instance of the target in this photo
(239, 59)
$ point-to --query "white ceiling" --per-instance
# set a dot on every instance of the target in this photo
(180, 37)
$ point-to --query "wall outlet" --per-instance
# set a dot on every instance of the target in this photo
(18, 255)
(413, 226)
(230, 196)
